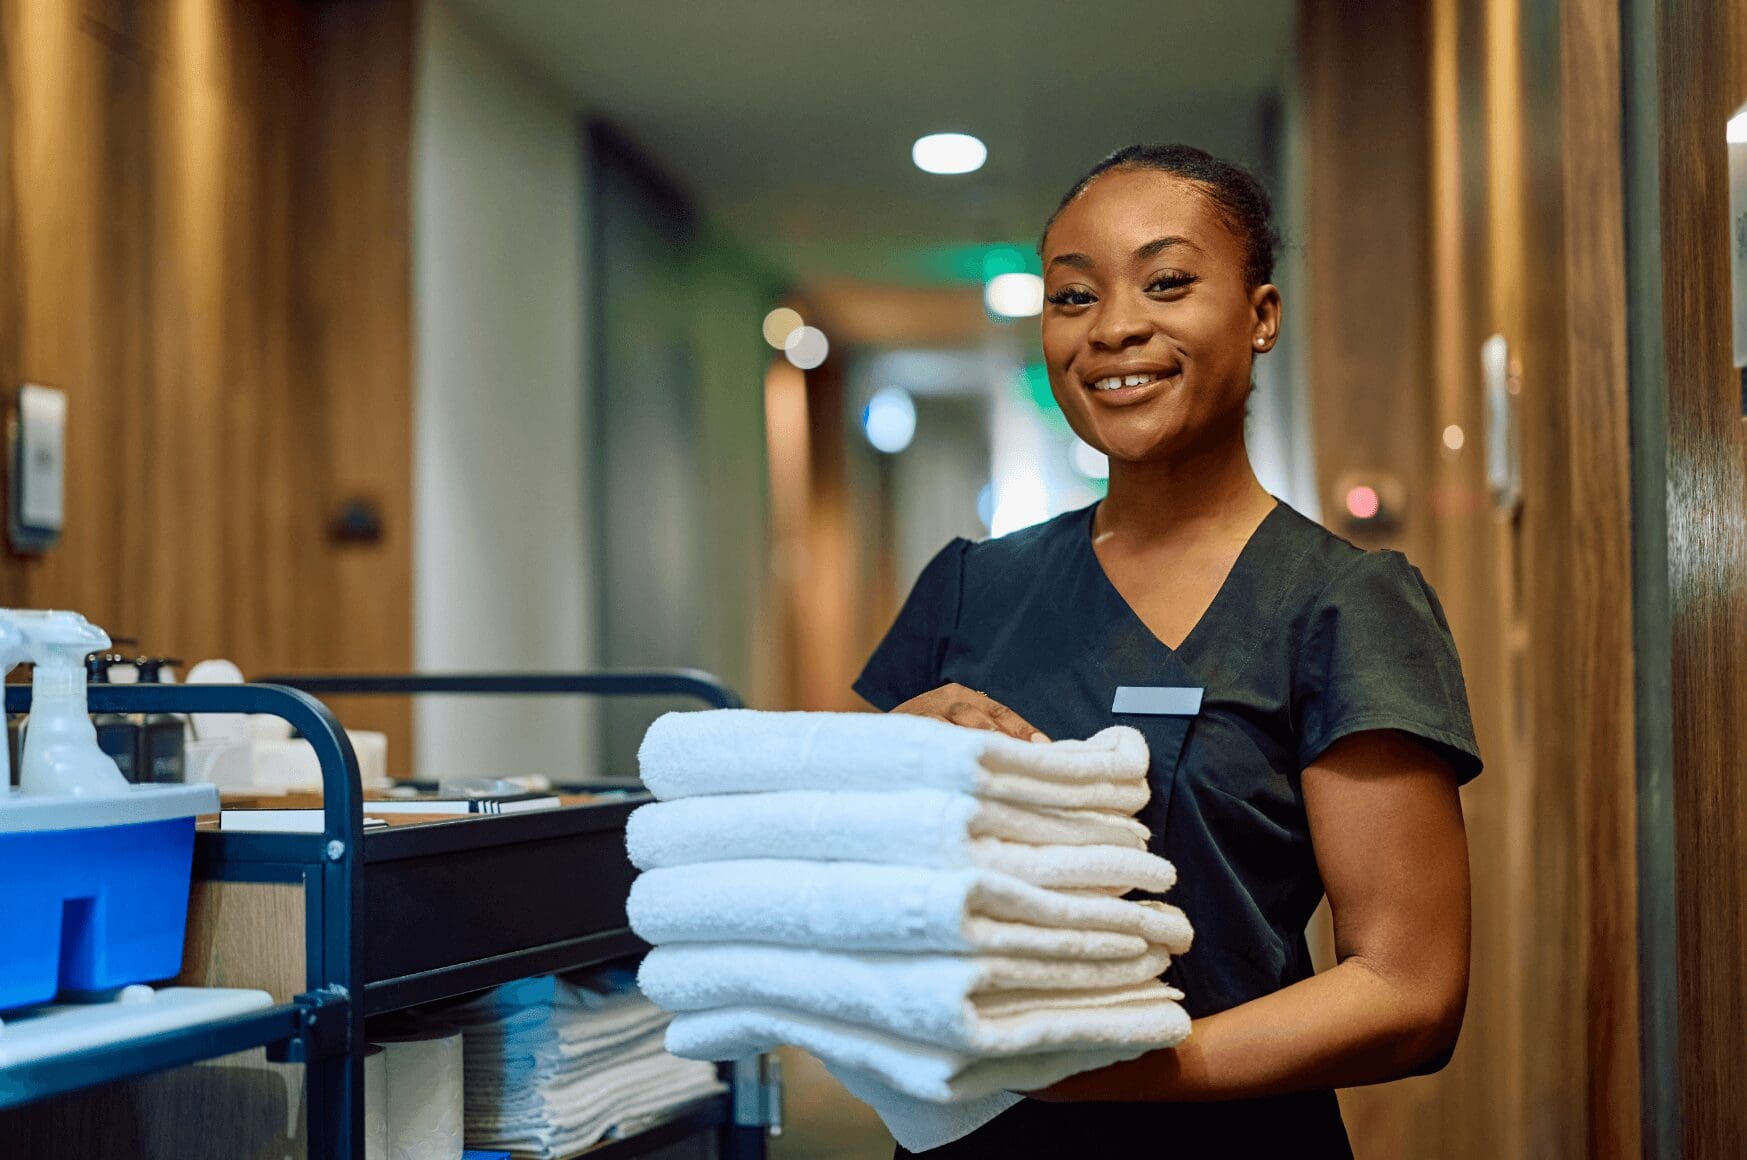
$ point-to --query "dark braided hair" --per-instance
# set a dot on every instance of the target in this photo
(1241, 200)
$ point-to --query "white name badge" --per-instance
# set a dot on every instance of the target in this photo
(1157, 700)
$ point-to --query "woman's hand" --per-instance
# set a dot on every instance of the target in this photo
(958, 705)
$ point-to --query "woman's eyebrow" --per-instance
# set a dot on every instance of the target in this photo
(1159, 245)
(1152, 249)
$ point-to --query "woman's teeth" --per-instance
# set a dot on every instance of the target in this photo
(1116, 382)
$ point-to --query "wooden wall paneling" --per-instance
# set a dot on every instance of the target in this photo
(1597, 707)
(207, 218)
(357, 282)
(1365, 105)
(1471, 543)
(1702, 67)
(1520, 232)
(1527, 282)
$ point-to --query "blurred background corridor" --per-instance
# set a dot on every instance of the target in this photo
(431, 335)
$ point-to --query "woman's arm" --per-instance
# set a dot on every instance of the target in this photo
(1386, 821)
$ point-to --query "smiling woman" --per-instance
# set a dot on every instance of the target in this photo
(1333, 730)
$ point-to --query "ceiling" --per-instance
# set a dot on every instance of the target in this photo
(791, 121)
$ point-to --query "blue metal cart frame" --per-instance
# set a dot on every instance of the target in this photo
(348, 978)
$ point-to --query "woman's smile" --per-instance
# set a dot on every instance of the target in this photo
(1123, 387)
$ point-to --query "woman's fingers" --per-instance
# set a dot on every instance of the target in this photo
(973, 710)
(1012, 724)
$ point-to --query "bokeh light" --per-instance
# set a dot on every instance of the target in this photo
(1363, 503)
(1017, 295)
(1020, 504)
(1088, 460)
(806, 347)
(779, 324)
(889, 420)
(949, 153)
(986, 506)
(1454, 437)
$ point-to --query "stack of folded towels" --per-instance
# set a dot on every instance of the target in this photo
(935, 912)
(553, 1066)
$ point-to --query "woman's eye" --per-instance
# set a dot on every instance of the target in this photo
(1071, 296)
(1165, 283)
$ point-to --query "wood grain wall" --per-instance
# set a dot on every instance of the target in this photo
(1474, 153)
(204, 241)
(1703, 80)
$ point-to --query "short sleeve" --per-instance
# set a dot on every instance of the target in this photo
(1377, 653)
(907, 662)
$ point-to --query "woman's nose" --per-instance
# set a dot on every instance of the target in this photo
(1119, 324)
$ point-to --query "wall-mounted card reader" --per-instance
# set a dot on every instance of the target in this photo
(37, 468)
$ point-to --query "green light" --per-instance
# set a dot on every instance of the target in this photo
(972, 263)
(1032, 384)
(1003, 260)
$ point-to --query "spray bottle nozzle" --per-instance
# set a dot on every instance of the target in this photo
(61, 755)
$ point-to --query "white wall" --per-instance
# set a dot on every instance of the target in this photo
(1280, 441)
(502, 577)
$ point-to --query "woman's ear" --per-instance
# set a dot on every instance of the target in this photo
(1265, 303)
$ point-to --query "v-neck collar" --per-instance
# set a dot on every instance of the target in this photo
(1103, 578)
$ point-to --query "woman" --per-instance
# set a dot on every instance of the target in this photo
(1333, 726)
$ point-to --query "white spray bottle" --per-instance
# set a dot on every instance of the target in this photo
(13, 652)
(60, 745)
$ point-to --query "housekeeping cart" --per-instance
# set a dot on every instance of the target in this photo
(368, 943)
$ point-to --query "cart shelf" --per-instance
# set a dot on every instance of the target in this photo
(399, 917)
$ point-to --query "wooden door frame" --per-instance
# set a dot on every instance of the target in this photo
(1652, 614)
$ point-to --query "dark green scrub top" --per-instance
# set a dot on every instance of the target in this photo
(1309, 639)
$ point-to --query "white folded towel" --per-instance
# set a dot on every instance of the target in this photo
(920, 1070)
(919, 1125)
(912, 828)
(861, 906)
(928, 999)
(679, 976)
(747, 751)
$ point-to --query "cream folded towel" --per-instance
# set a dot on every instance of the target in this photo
(935, 999)
(921, 1071)
(747, 751)
(862, 906)
(912, 828)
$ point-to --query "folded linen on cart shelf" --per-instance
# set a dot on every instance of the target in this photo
(936, 999)
(748, 751)
(554, 1065)
(921, 1071)
(567, 1120)
(863, 906)
(1056, 848)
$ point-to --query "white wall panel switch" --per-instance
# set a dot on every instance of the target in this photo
(37, 468)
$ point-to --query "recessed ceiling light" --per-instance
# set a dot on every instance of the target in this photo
(949, 153)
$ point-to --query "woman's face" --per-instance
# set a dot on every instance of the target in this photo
(1149, 328)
